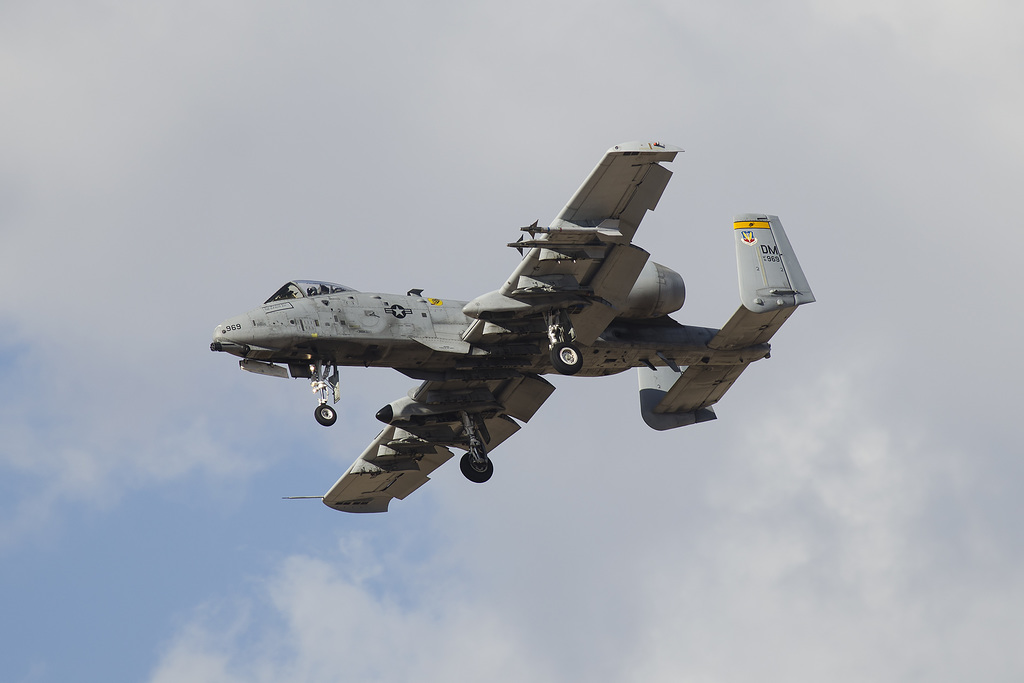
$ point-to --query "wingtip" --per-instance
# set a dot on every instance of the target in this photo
(645, 146)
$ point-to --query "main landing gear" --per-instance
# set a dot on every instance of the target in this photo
(324, 378)
(565, 355)
(475, 464)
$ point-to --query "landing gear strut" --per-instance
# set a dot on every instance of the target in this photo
(565, 355)
(475, 464)
(324, 378)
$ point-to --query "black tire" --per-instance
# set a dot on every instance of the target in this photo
(325, 415)
(470, 469)
(566, 358)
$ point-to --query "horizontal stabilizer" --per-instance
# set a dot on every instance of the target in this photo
(665, 405)
(746, 329)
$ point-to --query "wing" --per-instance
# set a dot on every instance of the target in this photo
(625, 185)
(584, 262)
(394, 465)
(424, 425)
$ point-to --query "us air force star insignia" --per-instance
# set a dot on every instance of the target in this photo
(398, 311)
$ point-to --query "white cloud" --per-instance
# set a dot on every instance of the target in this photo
(328, 624)
(796, 552)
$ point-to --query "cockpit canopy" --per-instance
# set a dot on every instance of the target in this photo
(300, 288)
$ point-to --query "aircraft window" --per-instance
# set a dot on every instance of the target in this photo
(289, 291)
(301, 288)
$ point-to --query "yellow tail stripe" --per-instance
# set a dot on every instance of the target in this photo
(747, 225)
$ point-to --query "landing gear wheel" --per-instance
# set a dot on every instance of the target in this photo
(325, 415)
(476, 472)
(566, 358)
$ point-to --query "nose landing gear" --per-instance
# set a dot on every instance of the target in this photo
(324, 378)
(325, 415)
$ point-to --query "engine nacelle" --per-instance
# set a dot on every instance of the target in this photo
(657, 292)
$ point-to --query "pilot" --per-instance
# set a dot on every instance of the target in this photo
(311, 291)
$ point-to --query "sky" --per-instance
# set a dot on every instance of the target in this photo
(852, 515)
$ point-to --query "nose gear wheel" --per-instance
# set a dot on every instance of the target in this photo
(325, 415)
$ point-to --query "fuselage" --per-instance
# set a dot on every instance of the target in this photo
(311, 322)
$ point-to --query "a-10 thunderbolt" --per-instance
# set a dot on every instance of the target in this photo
(584, 301)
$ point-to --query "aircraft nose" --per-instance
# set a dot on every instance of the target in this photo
(228, 336)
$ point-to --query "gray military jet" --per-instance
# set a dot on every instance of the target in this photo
(584, 301)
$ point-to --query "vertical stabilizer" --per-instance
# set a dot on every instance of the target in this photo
(770, 275)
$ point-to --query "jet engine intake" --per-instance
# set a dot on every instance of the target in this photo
(658, 291)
